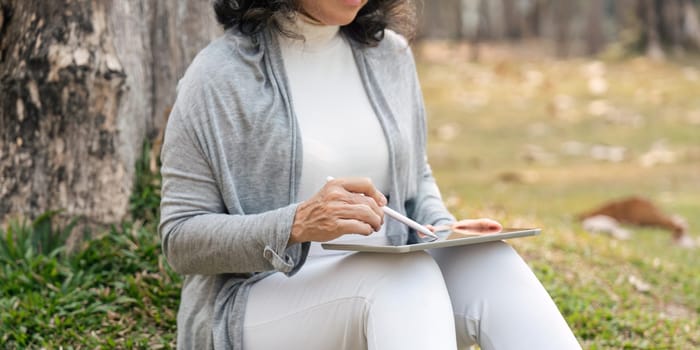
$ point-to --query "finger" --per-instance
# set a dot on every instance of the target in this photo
(360, 212)
(347, 226)
(489, 224)
(369, 202)
(421, 234)
(478, 225)
(439, 228)
(339, 194)
(362, 185)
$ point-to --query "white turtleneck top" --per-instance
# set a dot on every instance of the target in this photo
(341, 134)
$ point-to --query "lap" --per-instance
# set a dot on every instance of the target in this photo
(485, 262)
(328, 278)
(333, 301)
(362, 276)
(332, 298)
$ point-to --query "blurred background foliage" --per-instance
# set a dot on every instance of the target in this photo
(567, 28)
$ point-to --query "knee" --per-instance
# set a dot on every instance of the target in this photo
(489, 256)
(417, 264)
(503, 257)
(414, 270)
(494, 251)
(412, 281)
(402, 276)
(411, 291)
(486, 271)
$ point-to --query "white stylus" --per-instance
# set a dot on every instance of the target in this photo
(403, 219)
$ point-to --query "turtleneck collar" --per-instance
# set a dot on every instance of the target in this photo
(314, 34)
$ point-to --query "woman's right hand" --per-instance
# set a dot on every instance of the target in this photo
(342, 206)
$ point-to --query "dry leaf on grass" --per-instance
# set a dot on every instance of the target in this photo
(639, 284)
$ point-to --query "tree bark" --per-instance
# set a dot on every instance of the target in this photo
(82, 84)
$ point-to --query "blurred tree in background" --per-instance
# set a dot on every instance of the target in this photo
(653, 27)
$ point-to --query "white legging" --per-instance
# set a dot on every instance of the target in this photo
(450, 298)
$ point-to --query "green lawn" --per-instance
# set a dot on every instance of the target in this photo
(515, 141)
(510, 139)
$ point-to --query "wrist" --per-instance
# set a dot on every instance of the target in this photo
(295, 234)
(293, 238)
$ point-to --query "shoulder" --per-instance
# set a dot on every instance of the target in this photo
(391, 57)
(393, 46)
(391, 60)
(227, 56)
(394, 40)
(226, 69)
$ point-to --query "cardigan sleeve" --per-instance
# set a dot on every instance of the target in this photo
(198, 235)
(429, 207)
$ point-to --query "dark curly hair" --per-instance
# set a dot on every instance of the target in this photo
(252, 16)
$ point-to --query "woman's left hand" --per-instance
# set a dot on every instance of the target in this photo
(473, 226)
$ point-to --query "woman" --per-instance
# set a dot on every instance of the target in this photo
(296, 91)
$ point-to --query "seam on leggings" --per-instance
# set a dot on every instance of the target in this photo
(477, 331)
(370, 344)
(481, 339)
(266, 322)
(477, 336)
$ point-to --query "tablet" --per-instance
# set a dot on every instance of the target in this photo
(384, 244)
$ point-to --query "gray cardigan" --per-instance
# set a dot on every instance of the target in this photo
(231, 165)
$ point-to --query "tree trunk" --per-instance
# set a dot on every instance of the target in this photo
(439, 22)
(595, 26)
(471, 23)
(495, 23)
(653, 42)
(562, 11)
(534, 18)
(512, 20)
(691, 24)
(82, 83)
(672, 24)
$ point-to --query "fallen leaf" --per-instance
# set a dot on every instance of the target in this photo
(639, 284)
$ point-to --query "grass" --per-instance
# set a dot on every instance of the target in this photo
(513, 139)
(510, 138)
(114, 291)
